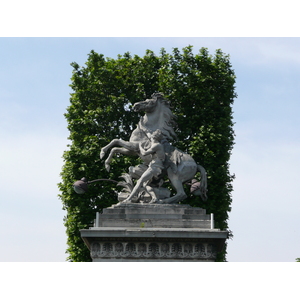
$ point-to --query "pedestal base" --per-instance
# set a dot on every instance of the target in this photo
(153, 233)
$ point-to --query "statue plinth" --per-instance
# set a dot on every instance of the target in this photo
(153, 232)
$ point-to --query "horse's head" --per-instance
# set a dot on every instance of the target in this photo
(157, 115)
(148, 105)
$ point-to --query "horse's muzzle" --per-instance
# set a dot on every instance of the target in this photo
(137, 106)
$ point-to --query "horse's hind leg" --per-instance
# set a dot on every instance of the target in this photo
(180, 193)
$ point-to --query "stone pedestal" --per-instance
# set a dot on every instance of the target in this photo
(150, 232)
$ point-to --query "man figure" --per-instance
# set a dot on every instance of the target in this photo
(155, 166)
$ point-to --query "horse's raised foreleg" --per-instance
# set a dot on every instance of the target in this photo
(114, 142)
(120, 143)
(113, 152)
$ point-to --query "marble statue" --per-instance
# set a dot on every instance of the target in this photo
(151, 142)
(155, 166)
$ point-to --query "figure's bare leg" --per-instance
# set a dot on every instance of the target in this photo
(151, 192)
(113, 152)
(137, 171)
(145, 177)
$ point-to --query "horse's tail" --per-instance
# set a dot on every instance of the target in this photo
(200, 188)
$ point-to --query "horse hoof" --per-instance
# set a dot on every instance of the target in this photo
(153, 201)
(127, 201)
(107, 167)
(102, 153)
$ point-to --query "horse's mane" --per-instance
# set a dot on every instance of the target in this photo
(168, 128)
(169, 118)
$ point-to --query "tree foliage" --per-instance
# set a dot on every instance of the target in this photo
(200, 88)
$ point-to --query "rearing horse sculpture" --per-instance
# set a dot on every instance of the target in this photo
(180, 166)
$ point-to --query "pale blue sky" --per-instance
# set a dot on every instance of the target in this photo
(34, 93)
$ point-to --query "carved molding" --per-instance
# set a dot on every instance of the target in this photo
(180, 250)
